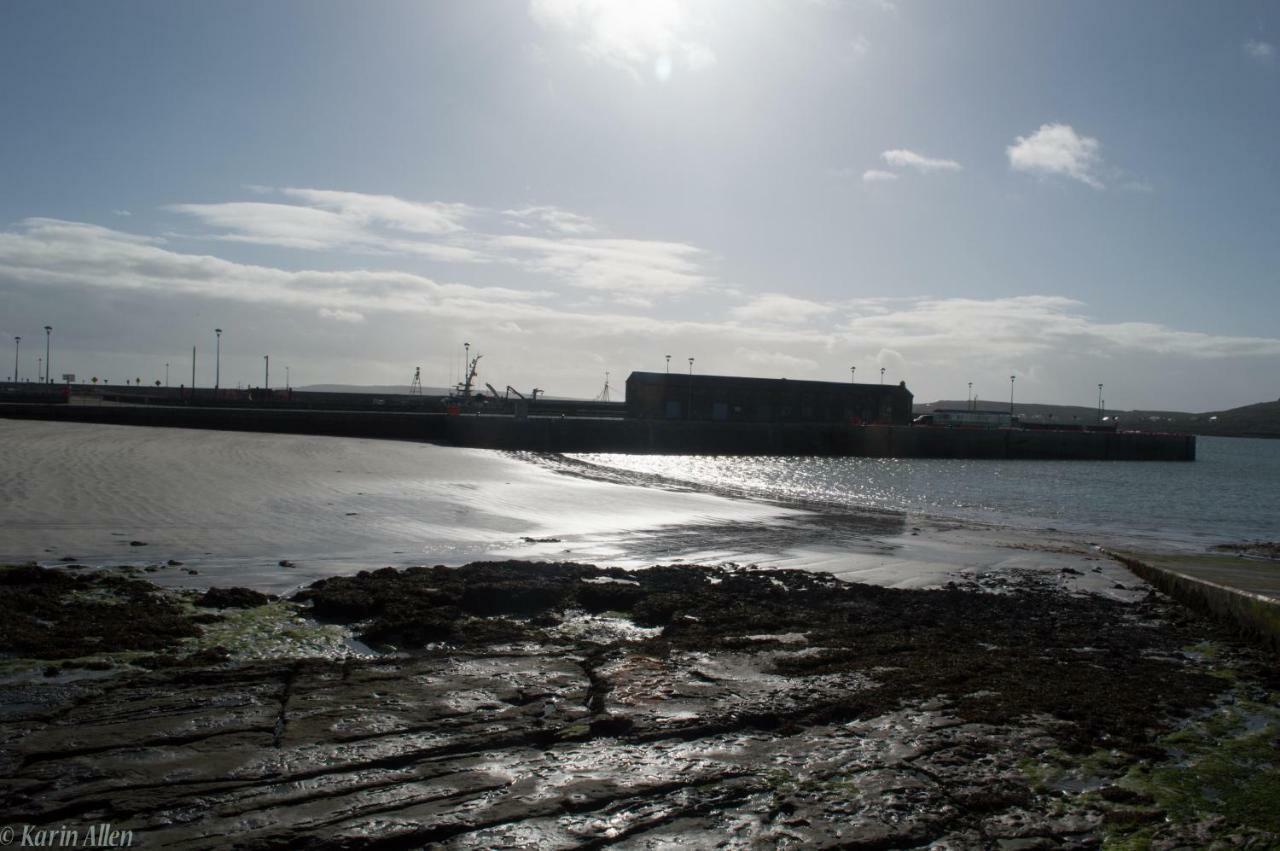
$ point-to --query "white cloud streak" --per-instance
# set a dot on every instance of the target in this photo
(387, 210)
(638, 268)
(772, 308)
(1057, 149)
(902, 158)
(553, 242)
(552, 219)
(875, 175)
(1029, 326)
(1261, 51)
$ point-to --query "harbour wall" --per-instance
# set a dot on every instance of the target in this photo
(587, 434)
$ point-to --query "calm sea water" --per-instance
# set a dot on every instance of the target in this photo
(1231, 493)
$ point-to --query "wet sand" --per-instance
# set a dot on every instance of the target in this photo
(233, 505)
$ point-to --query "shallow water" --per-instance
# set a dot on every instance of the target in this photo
(1231, 493)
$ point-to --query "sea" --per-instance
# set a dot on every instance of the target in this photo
(1230, 494)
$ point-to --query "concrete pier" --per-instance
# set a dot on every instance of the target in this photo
(1243, 592)
(608, 434)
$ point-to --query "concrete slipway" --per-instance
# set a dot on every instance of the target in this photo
(1243, 591)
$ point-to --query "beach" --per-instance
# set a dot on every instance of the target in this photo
(272, 641)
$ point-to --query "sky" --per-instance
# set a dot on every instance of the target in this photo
(1071, 193)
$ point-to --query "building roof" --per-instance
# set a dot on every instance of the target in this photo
(680, 377)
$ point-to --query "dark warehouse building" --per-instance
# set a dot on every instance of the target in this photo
(676, 396)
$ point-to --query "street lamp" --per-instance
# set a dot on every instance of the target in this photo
(1012, 378)
(286, 376)
(1099, 403)
(217, 361)
(266, 374)
(969, 399)
(39, 369)
(16, 342)
(166, 375)
(688, 414)
(668, 364)
(48, 378)
(882, 375)
(853, 372)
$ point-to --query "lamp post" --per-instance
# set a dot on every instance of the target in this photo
(48, 376)
(266, 372)
(689, 412)
(1099, 403)
(969, 399)
(668, 364)
(853, 375)
(286, 376)
(166, 375)
(882, 375)
(1012, 378)
(40, 370)
(217, 361)
(16, 342)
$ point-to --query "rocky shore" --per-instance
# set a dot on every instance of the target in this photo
(566, 705)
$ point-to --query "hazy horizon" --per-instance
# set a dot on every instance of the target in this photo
(1072, 193)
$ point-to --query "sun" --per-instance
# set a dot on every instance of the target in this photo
(653, 35)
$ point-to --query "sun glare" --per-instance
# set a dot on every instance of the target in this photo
(656, 36)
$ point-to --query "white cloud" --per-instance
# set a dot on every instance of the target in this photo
(653, 36)
(388, 210)
(942, 330)
(902, 158)
(633, 267)
(121, 213)
(875, 175)
(352, 222)
(341, 315)
(552, 219)
(49, 252)
(287, 225)
(775, 307)
(329, 220)
(1056, 149)
(1262, 51)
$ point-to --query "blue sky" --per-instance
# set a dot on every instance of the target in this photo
(1070, 192)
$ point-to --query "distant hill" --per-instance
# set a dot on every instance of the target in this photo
(1259, 420)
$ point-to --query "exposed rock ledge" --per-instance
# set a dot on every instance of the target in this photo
(565, 705)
